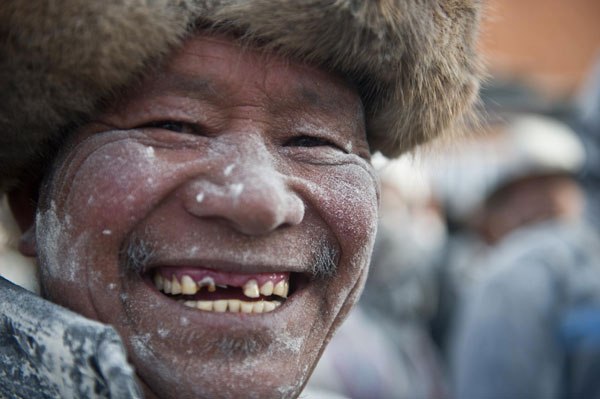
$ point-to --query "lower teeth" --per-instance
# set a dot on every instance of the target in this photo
(233, 305)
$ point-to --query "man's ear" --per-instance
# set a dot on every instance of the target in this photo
(23, 205)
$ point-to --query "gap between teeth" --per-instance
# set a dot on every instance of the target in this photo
(233, 305)
(188, 286)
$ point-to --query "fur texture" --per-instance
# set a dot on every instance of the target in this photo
(413, 61)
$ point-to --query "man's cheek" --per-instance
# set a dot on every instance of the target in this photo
(349, 200)
(349, 205)
(117, 185)
(96, 197)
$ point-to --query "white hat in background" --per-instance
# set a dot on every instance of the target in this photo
(529, 145)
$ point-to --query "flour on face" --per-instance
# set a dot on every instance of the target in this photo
(228, 169)
(236, 189)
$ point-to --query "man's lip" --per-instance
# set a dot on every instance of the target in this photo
(225, 266)
(218, 276)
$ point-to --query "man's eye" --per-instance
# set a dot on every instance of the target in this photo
(310, 141)
(174, 126)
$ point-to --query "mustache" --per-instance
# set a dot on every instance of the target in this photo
(324, 262)
(140, 253)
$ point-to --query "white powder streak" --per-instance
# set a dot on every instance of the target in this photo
(163, 333)
(48, 231)
(290, 342)
(228, 169)
(236, 189)
(150, 152)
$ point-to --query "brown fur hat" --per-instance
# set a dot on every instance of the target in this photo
(413, 61)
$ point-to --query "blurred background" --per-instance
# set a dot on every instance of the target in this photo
(484, 282)
(545, 45)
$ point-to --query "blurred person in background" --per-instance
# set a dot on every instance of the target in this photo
(519, 175)
(530, 328)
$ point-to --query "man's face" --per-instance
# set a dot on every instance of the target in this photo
(231, 172)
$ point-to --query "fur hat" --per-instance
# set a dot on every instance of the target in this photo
(414, 62)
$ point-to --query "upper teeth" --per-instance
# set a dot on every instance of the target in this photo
(281, 289)
(251, 289)
(187, 286)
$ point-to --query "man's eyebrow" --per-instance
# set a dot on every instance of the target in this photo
(209, 90)
(315, 100)
(331, 105)
(206, 89)
(194, 87)
(309, 99)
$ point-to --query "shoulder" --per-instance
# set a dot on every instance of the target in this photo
(550, 265)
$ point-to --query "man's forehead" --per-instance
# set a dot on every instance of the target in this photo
(293, 93)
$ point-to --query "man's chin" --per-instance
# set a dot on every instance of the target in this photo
(184, 352)
(235, 368)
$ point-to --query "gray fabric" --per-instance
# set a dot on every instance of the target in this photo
(508, 343)
(47, 351)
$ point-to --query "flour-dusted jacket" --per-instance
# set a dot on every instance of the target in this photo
(47, 351)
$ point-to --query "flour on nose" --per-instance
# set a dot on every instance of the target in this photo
(228, 169)
(199, 197)
(150, 152)
(236, 189)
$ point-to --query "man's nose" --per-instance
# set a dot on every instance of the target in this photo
(251, 196)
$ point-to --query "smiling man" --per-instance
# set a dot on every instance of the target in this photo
(196, 175)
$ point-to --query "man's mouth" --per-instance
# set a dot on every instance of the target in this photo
(217, 291)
